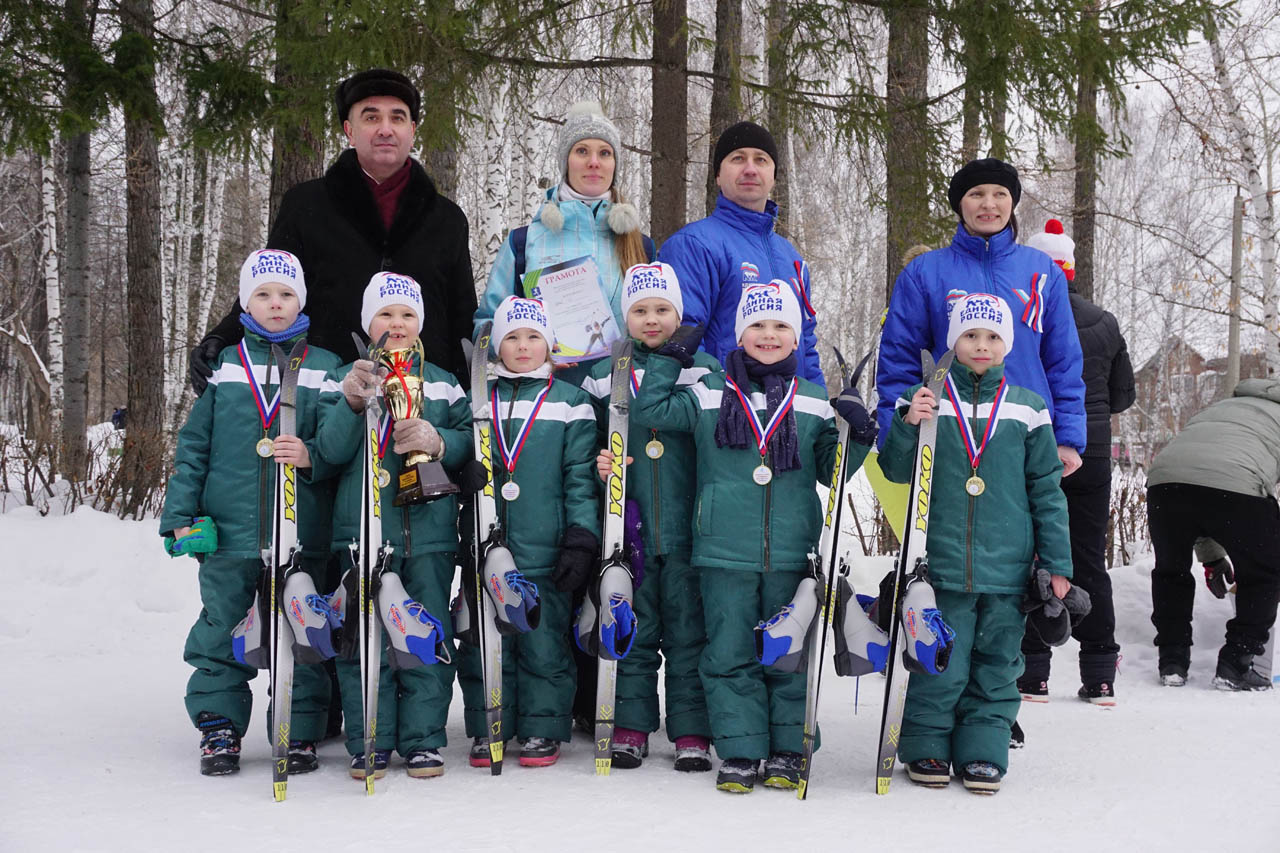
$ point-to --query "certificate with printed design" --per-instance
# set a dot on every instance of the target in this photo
(580, 317)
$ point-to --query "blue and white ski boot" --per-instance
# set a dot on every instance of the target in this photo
(519, 609)
(249, 640)
(862, 646)
(311, 617)
(927, 640)
(415, 637)
(781, 641)
(607, 631)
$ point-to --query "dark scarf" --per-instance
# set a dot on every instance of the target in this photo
(386, 195)
(734, 430)
(299, 326)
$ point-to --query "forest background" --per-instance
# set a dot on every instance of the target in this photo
(147, 143)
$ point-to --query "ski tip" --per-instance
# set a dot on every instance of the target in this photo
(603, 766)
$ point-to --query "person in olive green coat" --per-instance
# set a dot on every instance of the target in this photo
(543, 464)
(995, 504)
(668, 601)
(223, 482)
(765, 438)
(413, 704)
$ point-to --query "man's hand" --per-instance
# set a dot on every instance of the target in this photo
(200, 362)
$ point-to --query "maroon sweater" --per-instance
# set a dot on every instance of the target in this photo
(386, 195)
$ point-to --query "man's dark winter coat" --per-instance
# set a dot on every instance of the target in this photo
(333, 226)
(1108, 374)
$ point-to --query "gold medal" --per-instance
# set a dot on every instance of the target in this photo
(975, 486)
(384, 478)
(654, 449)
(762, 475)
(266, 448)
(510, 490)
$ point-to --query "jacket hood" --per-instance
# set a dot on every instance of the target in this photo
(1267, 389)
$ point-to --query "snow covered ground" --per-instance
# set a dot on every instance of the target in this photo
(99, 754)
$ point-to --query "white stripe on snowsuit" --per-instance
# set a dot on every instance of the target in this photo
(233, 371)
(599, 386)
(550, 411)
(709, 398)
(1033, 418)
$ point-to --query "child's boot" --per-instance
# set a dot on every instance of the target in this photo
(693, 754)
(630, 748)
(737, 775)
(982, 777)
(302, 757)
(424, 763)
(929, 772)
(219, 745)
(381, 757)
(539, 752)
(782, 770)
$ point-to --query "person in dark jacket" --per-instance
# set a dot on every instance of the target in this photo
(1108, 389)
(375, 210)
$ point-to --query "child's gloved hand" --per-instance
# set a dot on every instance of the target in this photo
(1218, 576)
(413, 434)
(360, 385)
(1049, 616)
(579, 559)
(683, 343)
(200, 538)
(849, 406)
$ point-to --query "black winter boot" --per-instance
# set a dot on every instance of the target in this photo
(219, 745)
(1033, 684)
(1097, 677)
(1236, 672)
(1174, 663)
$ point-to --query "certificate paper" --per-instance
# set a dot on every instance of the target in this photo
(580, 317)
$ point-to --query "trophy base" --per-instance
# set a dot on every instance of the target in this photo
(423, 482)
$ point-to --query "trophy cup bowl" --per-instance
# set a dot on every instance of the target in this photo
(422, 478)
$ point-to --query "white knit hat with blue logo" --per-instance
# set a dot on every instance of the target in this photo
(773, 301)
(389, 288)
(981, 311)
(268, 266)
(515, 312)
(648, 281)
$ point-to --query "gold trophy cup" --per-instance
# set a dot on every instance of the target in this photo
(422, 478)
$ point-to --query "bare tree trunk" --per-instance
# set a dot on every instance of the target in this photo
(906, 148)
(971, 105)
(144, 447)
(297, 148)
(75, 274)
(726, 95)
(779, 113)
(670, 126)
(1085, 128)
(53, 300)
(997, 111)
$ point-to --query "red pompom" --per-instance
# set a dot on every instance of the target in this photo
(1053, 226)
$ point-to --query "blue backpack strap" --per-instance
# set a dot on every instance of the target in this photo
(650, 250)
(519, 237)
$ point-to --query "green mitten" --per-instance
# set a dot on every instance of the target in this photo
(203, 539)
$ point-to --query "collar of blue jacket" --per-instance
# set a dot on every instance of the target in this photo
(745, 219)
(980, 247)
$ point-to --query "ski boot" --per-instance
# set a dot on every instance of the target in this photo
(414, 637)
(219, 745)
(302, 757)
(424, 763)
(312, 618)
(981, 777)
(693, 754)
(1235, 670)
(929, 772)
(927, 639)
(630, 748)
(862, 646)
(539, 752)
(516, 602)
(780, 641)
(607, 632)
(737, 775)
(782, 770)
(380, 759)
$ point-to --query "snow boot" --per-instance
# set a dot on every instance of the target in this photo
(219, 745)
(302, 757)
(927, 639)
(1102, 693)
(781, 640)
(1098, 675)
(608, 631)
(929, 772)
(478, 755)
(1017, 740)
(737, 775)
(424, 763)
(782, 770)
(1236, 671)
(539, 752)
(518, 607)
(630, 748)
(380, 759)
(693, 754)
(1033, 684)
(414, 637)
(862, 646)
(981, 777)
(1174, 663)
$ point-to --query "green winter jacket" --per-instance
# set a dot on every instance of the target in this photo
(217, 471)
(736, 523)
(986, 543)
(556, 469)
(340, 441)
(663, 487)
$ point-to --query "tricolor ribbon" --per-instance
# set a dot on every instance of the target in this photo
(635, 384)
(1033, 302)
(384, 433)
(511, 452)
(266, 411)
(971, 446)
(764, 433)
(800, 289)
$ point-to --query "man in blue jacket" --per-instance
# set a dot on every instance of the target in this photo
(716, 257)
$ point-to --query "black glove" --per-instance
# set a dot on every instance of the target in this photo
(683, 343)
(472, 477)
(849, 406)
(1218, 576)
(579, 559)
(200, 362)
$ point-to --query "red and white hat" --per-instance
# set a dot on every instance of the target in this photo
(1056, 245)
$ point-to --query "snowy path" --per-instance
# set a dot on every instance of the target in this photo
(99, 754)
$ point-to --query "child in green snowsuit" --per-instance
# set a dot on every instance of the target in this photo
(218, 507)
(995, 505)
(668, 601)
(413, 704)
(765, 438)
(543, 460)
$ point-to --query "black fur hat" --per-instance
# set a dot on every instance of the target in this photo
(376, 81)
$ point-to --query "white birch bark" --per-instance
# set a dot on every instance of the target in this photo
(493, 213)
(53, 293)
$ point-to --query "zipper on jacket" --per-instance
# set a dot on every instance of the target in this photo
(968, 525)
(986, 265)
(768, 503)
(264, 501)
(657, 500)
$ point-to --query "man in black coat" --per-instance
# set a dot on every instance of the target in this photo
(1109, 389)
(374, 210)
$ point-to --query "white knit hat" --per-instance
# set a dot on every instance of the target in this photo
(773, 301)
(266, 266)
(515, 312)
(586, 120)
(388, 288)
(645, 281)
(981, 311)
(1056, 245)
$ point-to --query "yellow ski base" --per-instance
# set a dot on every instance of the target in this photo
(603, 766)
(281, 788)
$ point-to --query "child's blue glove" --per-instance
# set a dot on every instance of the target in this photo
(203, 539)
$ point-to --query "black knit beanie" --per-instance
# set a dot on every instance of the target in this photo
(988, 170)
(744, 134)
(376, 81)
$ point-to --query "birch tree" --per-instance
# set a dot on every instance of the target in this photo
(53, 295)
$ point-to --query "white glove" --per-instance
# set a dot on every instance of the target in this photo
(360, 385)
(416, 434)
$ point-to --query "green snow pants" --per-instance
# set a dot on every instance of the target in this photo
(965, 713)
(668, 606)
(754, 711)
(220, 683)
(413, 704)
(538, 674)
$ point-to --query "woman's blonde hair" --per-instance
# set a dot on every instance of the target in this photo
(628, 247)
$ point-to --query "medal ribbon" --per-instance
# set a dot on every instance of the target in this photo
(511, 453)
(971, 447)
(635, 384)
(764, 433)
(384, 433)
(266, 411)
